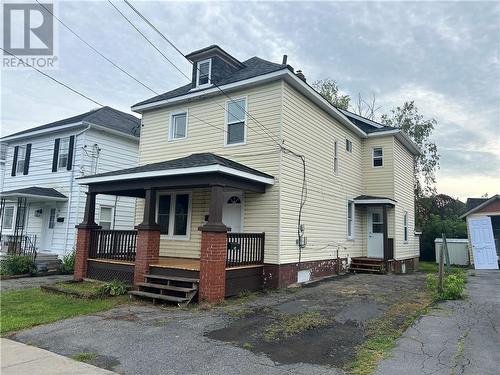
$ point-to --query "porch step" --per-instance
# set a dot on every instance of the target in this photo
(154, 296)
(167, 288)
(367, 265)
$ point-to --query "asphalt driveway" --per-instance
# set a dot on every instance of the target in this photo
(456, 337)
(245, 336)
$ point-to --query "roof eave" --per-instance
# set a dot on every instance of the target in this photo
(402, 137)
(485, 203)
(34, 133)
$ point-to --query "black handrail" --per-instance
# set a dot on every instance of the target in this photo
(245, 249)
(113, 244)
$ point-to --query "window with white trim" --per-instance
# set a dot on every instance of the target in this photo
(63, 153)
(335, 158)
(378, 157)
(350, 219)
(106, 217)
(235, 121)
(21, 159)
(405, 226)
(348, 145)
(173, 214)
(203, 72)
(8, 217)
(178, 126)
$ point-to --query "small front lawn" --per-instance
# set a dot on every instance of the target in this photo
(30, 307)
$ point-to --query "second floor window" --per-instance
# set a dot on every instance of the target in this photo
(63, 153)
(348, 145)
(203, 72)
(236, 121)
(21, 159)
(405, 226)
(178, 126)
(378, 157)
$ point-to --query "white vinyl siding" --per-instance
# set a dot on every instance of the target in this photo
(260, 152)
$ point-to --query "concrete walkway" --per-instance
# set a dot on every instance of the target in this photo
(20, 359)
(457, 337)
(31, 282)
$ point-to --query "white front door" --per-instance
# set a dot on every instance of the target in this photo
(483, 243)
(232, 211)
(49, 222)
(375, 232)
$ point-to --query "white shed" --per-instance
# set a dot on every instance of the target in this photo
(457, 249)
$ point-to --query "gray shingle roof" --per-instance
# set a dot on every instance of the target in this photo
(35, 190)
(365, 124)
(194, 160)
(254, 67)
(106, 117)
(474, 202)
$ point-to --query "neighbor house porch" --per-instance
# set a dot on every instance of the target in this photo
(191, 235)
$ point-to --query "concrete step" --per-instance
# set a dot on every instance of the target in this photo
(158, 296)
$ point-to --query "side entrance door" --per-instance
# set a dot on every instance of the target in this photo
(375, 232)
(49, 221)
(483, 243)
(232, 211)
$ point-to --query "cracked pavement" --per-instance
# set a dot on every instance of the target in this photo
(456, 337)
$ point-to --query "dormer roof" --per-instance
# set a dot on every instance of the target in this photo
(211, 51)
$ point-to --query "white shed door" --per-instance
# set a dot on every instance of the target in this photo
(483, 243)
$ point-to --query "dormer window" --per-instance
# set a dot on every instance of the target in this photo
(203, 75)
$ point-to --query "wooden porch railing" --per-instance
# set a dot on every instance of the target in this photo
(245, 249)
(113, 244)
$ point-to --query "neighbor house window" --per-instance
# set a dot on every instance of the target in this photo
(236, 121)
(106, 218)
(378, 156)
(350, 219)
(8, 217)
(348, 145)
(173, 214)
(203, 72)
(63, 153)
(335, 158)
(21, 159)
(178, 126)
(405, 226)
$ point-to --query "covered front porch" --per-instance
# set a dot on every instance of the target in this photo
(191, 235)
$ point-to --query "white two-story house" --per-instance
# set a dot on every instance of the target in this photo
(40, 201)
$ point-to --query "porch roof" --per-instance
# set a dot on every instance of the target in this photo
(196, 170)
(373, 200)
(35, 192)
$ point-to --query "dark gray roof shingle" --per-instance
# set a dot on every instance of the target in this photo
(254, 67)
(35, 190)
(106, 117)
(365, 124)
(194, 160)
(474, 202)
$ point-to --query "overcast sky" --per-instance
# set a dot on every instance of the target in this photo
(445, 56)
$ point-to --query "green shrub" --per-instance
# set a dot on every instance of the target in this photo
(114, 288)
(453, 286)
(68, 263)
(17, 265)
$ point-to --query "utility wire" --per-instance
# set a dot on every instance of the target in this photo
(95, 50)
(266, 130)
(54, 79)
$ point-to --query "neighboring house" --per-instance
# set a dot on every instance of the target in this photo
(222, 152)
(40, 201)
(3, 156)
(483, 227)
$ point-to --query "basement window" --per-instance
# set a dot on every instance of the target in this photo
(378, 156)
(203, 72)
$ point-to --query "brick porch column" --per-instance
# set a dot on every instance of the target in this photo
(84, 230)
(148, 239)
(213, 251)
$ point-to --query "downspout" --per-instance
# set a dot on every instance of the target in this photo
(72, 178)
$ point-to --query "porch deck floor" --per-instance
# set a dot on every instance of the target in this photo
(179, 263)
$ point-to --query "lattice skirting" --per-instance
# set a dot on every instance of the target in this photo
(110, 271)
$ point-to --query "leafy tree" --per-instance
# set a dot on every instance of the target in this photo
(330, 91)
(419, 129)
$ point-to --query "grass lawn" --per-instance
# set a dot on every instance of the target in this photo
(432, 267)
(30, 307)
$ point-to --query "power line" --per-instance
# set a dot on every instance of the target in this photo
(266, 131)
(54, 79)
(96, 51)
